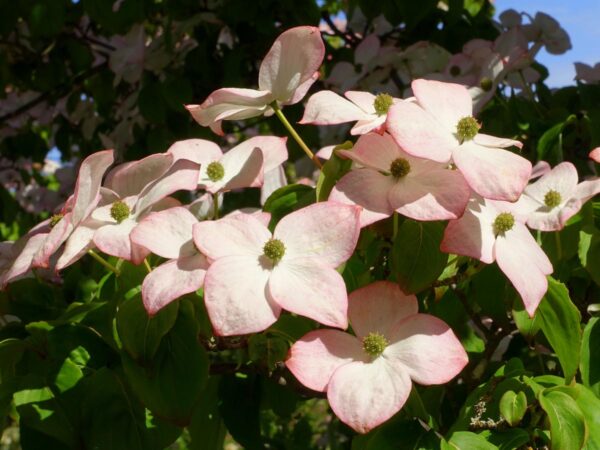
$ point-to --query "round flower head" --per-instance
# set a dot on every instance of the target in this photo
(440, 126)
(255, 273)
(556, 197)
(387, 179)
(368, 377)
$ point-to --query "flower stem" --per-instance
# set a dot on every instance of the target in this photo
(215, 198)
(147, 264)
(295, 135)
(558, 245)
(395, 224)
(104, 262)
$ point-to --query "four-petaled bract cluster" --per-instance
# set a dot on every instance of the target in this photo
(424, 158)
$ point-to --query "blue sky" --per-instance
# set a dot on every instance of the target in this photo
(581, 19)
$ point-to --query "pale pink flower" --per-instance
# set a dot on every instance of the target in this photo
(556, 197)
(287, 72)
(255, 273)
(78, 207)
(247, 164)
(367, 110)
(368, 377)
(540, 168)
(139, 188)
(595, 155)
(495, 231)
(16, 257)
(441, 127)
(546, 30)
(390, 180)
(168, 234)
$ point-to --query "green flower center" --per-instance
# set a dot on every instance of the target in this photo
(503, 223)
(215, 171)
(374, 344)
(55, 219)
(382, 104)
(399, 168)
(119, 211)
(486, 84)
(467, 128)
(552, 199)
(274, 250)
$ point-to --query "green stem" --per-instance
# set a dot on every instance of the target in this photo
(558, 245)
(395, 223)
(104, 262)
(215, 198)
(295, 135)
(147, 264)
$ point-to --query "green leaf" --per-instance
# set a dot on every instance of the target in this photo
(332, 171)
(513, 406)
(549, 146)
(465, 440)
(590, 355)
(114, 419)
(152, 104)
(207, 429)
(560, 324)
(140, 334)
(589, 253)
(511, 439)
(401, 435)
(567, 423)
(416, 257)
(171, 384)
(240, 405)
(590, 407)
(287, 199)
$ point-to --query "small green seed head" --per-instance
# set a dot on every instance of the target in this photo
(55, 219)
(119, 211)
(552, 199)
(467, 128)
(486, 84)
(503, 223)
(382, 103)
(374, 344)
(399, 168)
(215, 171)
(274, 250)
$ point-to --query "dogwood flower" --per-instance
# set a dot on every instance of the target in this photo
(77, 208)
(245, 165)
(287, 72)
(168, 233)
(391, 180)
(495, 231)
(587, 73)
(17, 257)
(255, 273)
(368, 377)
(556, 197)
(441, 128)
(368, 110)
(139, 188)
(595, 155)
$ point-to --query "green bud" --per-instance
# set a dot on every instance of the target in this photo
(374, 344)
(382, 104)
(467, 128)
(503, 223)
(486, 84)
(399, 168)
(274, 250)
(215, 171)
(552, 199)
(55, 219)
(119, 211)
